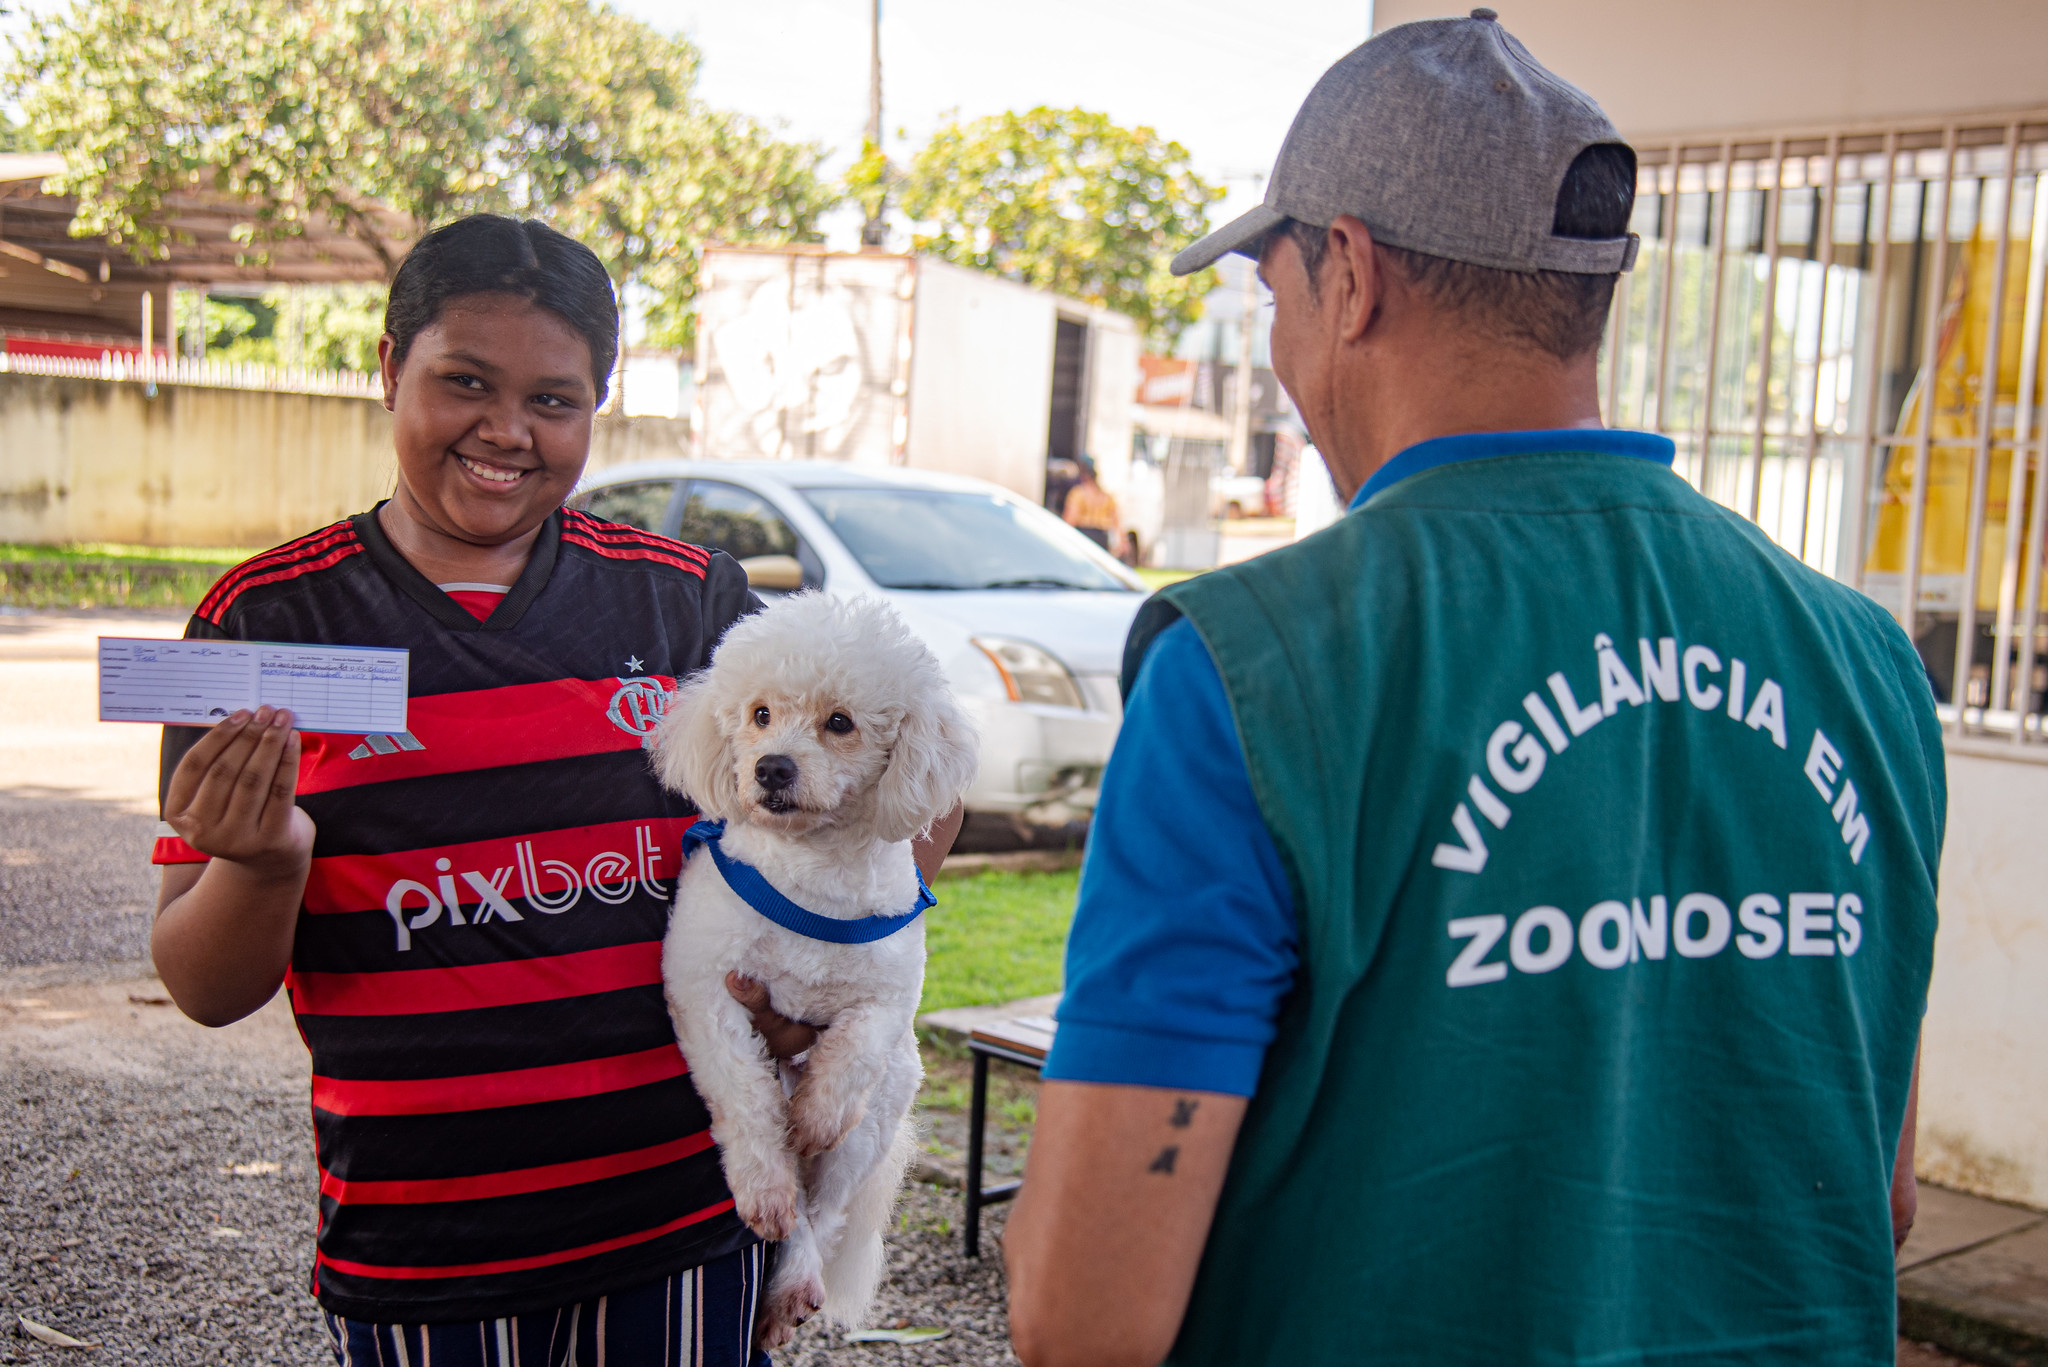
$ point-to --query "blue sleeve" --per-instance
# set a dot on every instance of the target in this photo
(1184, 939)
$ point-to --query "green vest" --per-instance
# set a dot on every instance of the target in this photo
(1612, 832)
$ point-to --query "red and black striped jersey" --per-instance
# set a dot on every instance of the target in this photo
(503, 1120)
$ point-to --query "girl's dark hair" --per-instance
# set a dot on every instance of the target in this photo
(492, 254)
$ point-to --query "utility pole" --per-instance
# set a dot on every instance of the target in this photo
(1248, 315)
(874, 232)
(1241, 427)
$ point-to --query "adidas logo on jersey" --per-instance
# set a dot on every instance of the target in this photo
(385, 745)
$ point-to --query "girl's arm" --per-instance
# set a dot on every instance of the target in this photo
(223, 933)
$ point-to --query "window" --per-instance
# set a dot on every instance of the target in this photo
(642, 504)
(725, 517)
(1835, 329)
(934, 539)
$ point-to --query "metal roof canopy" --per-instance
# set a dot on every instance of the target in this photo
(1667, 69)
(204, 249)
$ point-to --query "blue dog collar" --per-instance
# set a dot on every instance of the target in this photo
(758, 893)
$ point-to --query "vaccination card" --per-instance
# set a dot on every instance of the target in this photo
(354, 690)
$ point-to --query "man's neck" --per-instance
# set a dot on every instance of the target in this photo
(1452, 389)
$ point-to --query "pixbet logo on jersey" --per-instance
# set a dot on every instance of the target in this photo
(545, 884)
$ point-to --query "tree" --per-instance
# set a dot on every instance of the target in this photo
(1065, 200)
(311, 109)
(16, 137)
(332, 327)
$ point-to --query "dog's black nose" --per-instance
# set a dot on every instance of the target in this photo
(775, 772)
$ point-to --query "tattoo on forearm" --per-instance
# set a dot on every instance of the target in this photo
(1165, 1161)
(1183, 1113)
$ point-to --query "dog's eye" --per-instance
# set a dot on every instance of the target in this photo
(839, 723)
(760, 716)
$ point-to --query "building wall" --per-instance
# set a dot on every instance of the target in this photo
(800, 355)
(1984, 1062)
(620, 440)
(981, 377)
(105, 460)
(1113, 351)
(1668, 66)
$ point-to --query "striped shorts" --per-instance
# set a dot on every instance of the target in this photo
(700, 1318)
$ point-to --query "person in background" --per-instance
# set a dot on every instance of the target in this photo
(1090, 509)
(1509, 912)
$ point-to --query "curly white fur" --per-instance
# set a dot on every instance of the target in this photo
(843, 692)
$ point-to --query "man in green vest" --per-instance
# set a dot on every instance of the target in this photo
(1510, 910)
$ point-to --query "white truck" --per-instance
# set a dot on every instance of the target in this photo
(885, 360)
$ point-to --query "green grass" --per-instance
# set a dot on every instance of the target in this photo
(102, 575)
(997, 936)
(1159, 579)
(107, 550)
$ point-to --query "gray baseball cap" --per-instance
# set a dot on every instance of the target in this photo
(1442, 136)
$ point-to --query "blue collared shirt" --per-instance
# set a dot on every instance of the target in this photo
(1184, 942)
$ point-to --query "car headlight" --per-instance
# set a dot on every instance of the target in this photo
(1029, 673)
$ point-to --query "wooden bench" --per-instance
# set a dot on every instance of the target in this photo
(1024, 1040)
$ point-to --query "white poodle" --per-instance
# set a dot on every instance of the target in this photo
(824, 737)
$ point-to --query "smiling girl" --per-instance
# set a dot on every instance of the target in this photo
(467, 916)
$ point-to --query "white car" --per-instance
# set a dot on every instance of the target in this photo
(1026, 614)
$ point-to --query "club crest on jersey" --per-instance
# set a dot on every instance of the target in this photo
(637, 707)
(549, 886)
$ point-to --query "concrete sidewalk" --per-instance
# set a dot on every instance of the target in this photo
(1973, 1279)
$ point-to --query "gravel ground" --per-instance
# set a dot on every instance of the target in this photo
(77, 796)
(931, 1282)
(157, 1191)
(76, 884)
(156, 1180)
(123, 1223)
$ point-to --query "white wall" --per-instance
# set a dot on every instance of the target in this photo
(1680, 66)
(108, 460)
(800, 355)
(1984, 1064)
(980, 377)
(1113, 348)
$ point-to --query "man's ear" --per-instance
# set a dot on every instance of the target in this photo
(1354, 278)
(690, 752)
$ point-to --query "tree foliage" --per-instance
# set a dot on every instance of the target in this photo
(333, 327)
(16, 137)
(1065, 200)
(319, 109)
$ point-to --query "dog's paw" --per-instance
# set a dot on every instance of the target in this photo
(787, 1307)
(818, 1120)
(769, 1205)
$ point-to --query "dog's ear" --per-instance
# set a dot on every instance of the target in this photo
(936, 754)
(690, 752)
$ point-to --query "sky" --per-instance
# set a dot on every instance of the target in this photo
(1222, 79)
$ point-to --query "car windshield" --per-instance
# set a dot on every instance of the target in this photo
(937, 539)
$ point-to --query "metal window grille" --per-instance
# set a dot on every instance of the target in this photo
(1841, 329)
